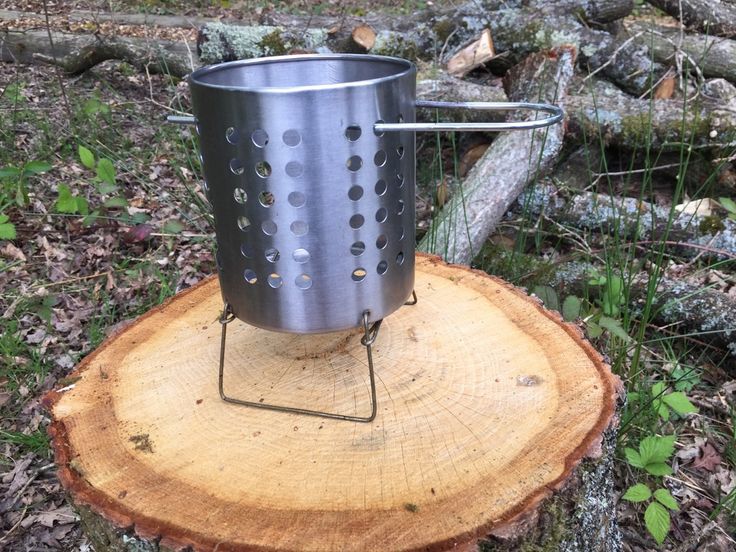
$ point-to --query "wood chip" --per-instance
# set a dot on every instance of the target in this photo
(364, 36)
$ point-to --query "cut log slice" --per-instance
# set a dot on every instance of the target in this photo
(486, 403)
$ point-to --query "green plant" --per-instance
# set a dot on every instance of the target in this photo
(729, 205)
(15, 179)
(36, 442)
(663, 403)
(651, 457)
(105, 182)
(7, 228)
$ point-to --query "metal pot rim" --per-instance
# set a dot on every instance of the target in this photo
(404, 67)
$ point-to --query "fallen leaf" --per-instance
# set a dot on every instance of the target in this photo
(709, 458)
(471, 157)
(9, 251)
(138, 233)
(665, 89)
(702, 207)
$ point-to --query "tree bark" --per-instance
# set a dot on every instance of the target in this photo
(706, 16)
(155, 459)
(512, 161)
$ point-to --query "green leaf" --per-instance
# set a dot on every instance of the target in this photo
(67, 203)
(9, 172)
(7, 229)
(594, 330)
(4, 218)
(115, 202)
(656, 449)
(86, 157)
(637, 493)
(36, 167)
(728, 204)
(664, 497)
(548, 296)
(657, 520)
(633, 458)
(172, 226)
(662, 410)
(614, 326)
(685, 379)
(571, 307)
(658, 468)
(106, 171)
(658, 389)
(615, 289)
(106, 188)
(678, 402)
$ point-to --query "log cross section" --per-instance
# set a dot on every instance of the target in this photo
(486, 403)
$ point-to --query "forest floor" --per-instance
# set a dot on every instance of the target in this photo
(110, 219)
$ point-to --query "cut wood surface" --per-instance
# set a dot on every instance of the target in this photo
(486, 403)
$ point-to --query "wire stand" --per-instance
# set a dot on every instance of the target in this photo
(370, 333)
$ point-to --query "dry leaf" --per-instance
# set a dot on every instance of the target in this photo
(471, 157)
(9, 251)
(702, 207)
(442, 192)
(665, 89)
(708, 460)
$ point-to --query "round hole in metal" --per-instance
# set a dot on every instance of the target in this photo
(263, 169)
(198, 129)
(303, 281)
(355, 193)
(246, 251)
(266, 199)
(250, 276)
(382, 267)
(380, 158)
(357, 249)
(292, 138)
(274, 280)
(400, 151)
(356, 221)
(381, 241)
(300, 255)
(381, 215)
(400, 207)
(354, 163)
(294, 169)
(218, 260)
(201, 160)
(377, 132)
(299, 228)
(240, 195)
(296, 199)
(236, 166)
(205, 185)
(353, 132)
(381, 187)
(400, 118)
(232, 135)
(359, 274)
(272, 255)
(400, 179)
(243, 223)
(401, 233)
(400, 258)
(259, 138)
(269, 227)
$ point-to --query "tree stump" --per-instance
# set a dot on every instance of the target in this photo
(487, 404)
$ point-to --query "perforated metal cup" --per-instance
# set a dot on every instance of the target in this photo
(309, 165)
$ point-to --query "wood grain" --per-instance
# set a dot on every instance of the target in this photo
(486, 403)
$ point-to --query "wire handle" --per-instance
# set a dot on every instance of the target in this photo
(555, 116)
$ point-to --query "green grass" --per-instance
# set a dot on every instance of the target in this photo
(36, 442)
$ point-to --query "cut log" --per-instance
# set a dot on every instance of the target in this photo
(512, 161)
(607, 114)
(78, 53)
(487, 408)
(713, 56)
(706, 16)
(472, 56)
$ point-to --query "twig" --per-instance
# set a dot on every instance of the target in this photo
(58, 68)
